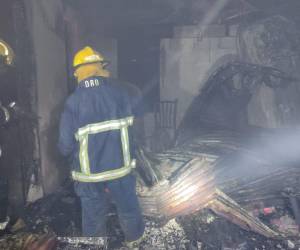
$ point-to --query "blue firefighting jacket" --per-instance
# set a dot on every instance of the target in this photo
(94, 131)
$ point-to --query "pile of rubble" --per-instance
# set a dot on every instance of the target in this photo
(54, 223)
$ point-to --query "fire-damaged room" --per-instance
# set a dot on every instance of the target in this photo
(147, 124)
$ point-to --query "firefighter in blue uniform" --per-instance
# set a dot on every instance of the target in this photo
(6, 112)
(95, 133)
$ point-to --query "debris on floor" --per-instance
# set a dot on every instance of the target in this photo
(69, 243)
(59, 215)
(287, 225)
(170, 236)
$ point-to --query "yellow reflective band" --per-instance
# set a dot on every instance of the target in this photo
(82, 137)
(83, 156)
(104, 126)
(104, 176)
(125, 146)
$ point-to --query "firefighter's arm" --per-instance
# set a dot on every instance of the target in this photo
(66, 142)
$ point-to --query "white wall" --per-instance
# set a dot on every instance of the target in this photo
(186, 62)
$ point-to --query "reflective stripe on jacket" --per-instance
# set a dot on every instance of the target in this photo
(95, 131)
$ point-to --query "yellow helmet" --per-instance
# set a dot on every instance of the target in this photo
(86, 56)
(7, 53)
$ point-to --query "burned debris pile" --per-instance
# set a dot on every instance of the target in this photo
(195, 176)
(42, 221)
(184, 189)
(223, 167)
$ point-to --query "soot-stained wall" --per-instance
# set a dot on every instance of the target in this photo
(47, 31)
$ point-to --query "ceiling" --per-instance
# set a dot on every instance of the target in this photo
(119, 15)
